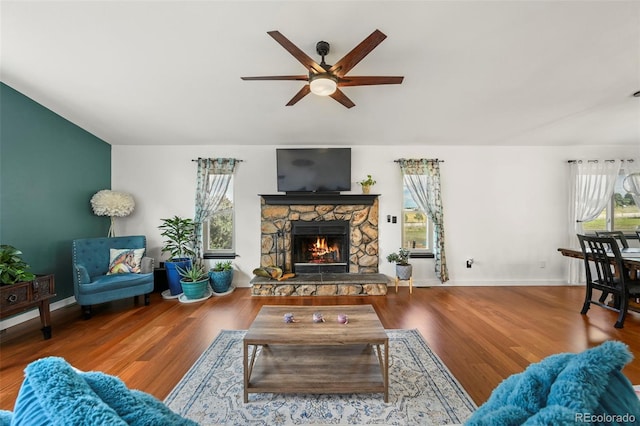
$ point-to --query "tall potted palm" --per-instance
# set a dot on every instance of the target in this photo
(179, 236)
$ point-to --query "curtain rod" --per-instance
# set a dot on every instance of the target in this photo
(631, 160)
(200, 158)
(397, 161)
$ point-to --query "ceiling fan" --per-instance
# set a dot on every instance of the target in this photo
(324, 79)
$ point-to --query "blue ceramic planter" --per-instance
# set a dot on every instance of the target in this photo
(173, 276)
(195, 289)
(221, 280)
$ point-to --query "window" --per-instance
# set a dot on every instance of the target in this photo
(621, 214)
(417, 230)
(219, 230)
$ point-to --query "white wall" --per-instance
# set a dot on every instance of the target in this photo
(506, 207)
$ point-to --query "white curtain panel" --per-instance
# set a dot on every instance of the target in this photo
(592, 183)
(632, 180)
(422, 178)
(213, 177)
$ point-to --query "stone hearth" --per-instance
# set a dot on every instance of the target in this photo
(322, 285)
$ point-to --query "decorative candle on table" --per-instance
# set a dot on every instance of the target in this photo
(343, 319)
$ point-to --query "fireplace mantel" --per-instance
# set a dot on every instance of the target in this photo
(319, 198)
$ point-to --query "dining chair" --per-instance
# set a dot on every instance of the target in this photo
(619, 235)
(604, 271)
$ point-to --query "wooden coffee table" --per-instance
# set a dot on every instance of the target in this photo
(317, 358)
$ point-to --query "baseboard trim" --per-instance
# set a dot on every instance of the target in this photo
(489, 283)
(34, 313)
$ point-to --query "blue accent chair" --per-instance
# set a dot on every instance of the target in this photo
(92, 285)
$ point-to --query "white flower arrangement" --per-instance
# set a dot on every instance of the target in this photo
(112, 203)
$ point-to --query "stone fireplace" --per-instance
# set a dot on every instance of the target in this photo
(292, 227)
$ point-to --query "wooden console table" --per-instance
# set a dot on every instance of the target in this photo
(19, 297)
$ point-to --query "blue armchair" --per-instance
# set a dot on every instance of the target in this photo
(99, 278)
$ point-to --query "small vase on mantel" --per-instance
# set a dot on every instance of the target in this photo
(367, 184)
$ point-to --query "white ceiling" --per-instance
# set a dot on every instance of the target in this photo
(476, 72)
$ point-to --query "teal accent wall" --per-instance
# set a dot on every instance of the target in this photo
(49, 169)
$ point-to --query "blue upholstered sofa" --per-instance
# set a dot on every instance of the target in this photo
(96, 280)
(55, 393)
(566, 389)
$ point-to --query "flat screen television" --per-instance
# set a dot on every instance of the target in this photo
(313, 169)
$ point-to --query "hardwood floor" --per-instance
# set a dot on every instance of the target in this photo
(482, 334)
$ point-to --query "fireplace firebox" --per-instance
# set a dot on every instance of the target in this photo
(318, 247)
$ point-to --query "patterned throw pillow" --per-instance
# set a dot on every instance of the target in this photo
(125, 261)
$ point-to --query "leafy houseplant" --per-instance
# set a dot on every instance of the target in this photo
(403, 268)
(222, 266)
(194, 281)
(192, 274)
(367, 184)
(221, 276)
(12, 268)
(399, 258)
(179, 236)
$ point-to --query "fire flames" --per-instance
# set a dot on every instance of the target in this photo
(320, 251)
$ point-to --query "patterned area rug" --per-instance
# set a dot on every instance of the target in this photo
(422, 391)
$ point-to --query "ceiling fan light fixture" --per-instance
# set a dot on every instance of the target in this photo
(323, 84)
(323, 79)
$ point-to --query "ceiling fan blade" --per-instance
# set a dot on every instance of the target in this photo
(339, 96)
(368, 81)
(306, 89)
(279, 77)
(302, 57)
(352, 58)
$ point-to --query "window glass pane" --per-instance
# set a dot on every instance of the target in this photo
(415, 224)
(622, 212)
(626, 215)
(221, 224)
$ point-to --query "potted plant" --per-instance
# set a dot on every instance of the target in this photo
(367, 184)
(12, 268)
(403, 267)
(180, 234)
(221, 276)
(194, 281)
